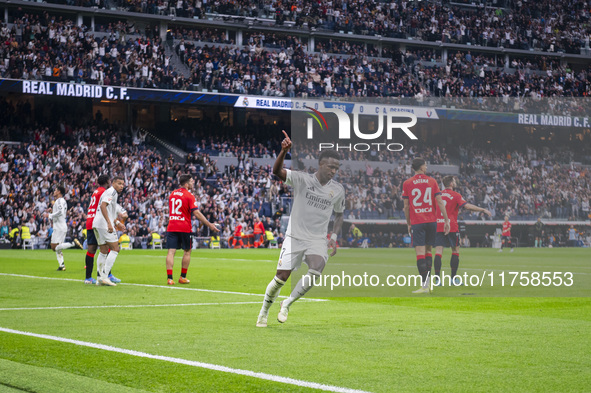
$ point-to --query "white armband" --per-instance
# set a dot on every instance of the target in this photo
(333, 237)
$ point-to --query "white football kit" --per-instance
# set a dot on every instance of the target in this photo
(58, 216)
(313, 205)
(99, 224)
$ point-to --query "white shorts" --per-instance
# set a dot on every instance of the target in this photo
(103, 236)
(293, 252)
(58, 236)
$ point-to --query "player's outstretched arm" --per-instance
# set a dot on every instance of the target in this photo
(204, 221)
(443, 211)
(475, 208)
(278, 169)
(336, 228)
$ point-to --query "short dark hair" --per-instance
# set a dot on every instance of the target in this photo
(184, 178)
(417, 163)
(61, 189)
(118, 178)
(103, 180)
(329, 154)
(447, 180)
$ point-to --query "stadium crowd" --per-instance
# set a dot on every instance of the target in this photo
(53, 48)
(525, 184)
(44, 47)
(517, 184)
(544, 25)
(257, 70)
(75, 157)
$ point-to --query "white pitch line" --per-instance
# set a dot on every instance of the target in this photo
(209, 366)
(163, 286)
(124, 306)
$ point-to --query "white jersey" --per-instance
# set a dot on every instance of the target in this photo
(58, 215)
(313, 205)
(109, 197)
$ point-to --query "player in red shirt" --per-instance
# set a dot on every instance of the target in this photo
(453, 202)
(103, 182)
(258, 231)
(237, 236)
(420, 193)
(181, 206)
(506, 235)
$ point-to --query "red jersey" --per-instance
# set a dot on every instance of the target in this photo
(259, 228)
(94, 201)
(453, 201)
(181, 204)
(421, 190)
(506, 228)
(238, 231)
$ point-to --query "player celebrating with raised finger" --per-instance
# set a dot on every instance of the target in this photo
(316, 196)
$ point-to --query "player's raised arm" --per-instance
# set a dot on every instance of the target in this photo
(278, 169)
(444, 212)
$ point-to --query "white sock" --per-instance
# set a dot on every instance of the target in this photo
(100, 265)
(60, 256)
(427, 282)
(110, 262)
(302, 287)
(271, 294)
(64, 246)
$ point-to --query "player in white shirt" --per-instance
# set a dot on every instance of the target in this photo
(316, 196)
(104, 227)
(58, 216)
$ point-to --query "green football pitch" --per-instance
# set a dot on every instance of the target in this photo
(58, 335)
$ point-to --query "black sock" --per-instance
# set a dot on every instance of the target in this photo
(437, 264)
(429, 261)
(184, 275)
(423, 271)
(454, 263)
(89, 265)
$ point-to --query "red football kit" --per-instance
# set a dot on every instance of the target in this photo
(506, 229)
(453, 201)
(181, 204)
(94, 201)
(421, 190)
